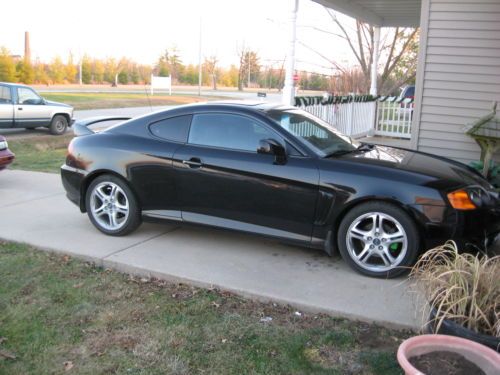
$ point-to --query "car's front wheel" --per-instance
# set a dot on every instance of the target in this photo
(378, 239)
(111, 206)
(58, 125)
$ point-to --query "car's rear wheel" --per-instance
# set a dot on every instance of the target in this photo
(111, 206)
(378, 239)
(58, 125)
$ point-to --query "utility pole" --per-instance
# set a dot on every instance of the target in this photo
(288, 89)
(199, 64)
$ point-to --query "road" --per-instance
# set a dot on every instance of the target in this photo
(273, 97)
(247, 265)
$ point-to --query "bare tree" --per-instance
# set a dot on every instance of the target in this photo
(398, 52)
(211, 69)
(249, 66)
(241, 71)
(394, 47)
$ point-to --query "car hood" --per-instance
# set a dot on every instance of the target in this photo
(57, 104)
(434, 167)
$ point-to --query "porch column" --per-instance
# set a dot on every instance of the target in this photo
(376, 47)
(289, 89)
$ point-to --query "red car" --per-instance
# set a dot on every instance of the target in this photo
(6, 156)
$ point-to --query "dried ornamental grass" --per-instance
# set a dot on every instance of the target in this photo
(461, 287)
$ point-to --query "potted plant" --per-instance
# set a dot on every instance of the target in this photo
(463, 293)
(443, 354)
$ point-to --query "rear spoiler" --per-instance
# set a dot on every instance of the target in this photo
(81, 127)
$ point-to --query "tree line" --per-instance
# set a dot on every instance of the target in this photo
(250, 72)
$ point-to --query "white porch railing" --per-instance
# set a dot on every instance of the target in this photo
(394, 117)
(352, 118)
(361, 116)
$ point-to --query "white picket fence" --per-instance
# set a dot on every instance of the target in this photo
(394, 117)
(387, 116)
(354, 119)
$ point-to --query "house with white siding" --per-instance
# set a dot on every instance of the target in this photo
(458, 74)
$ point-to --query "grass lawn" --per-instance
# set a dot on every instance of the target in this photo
(44, 153)
(64, 316)
(121, 100)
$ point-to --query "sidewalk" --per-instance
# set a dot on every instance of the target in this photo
(34, 210)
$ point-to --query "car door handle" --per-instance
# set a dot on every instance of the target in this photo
(19, 109)
(193, 163)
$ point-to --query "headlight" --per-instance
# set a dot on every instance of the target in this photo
(469, 198)
(3, 145)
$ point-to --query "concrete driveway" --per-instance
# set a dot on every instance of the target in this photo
(34, 210)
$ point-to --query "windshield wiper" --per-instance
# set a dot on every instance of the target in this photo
(361, 147)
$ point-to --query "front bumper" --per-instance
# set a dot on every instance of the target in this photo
(478, 229)
(6, 158)
(471, 230)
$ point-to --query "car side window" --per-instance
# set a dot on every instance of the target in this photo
(5, 97)
(172, 129)
(228, 131)
(27, 96)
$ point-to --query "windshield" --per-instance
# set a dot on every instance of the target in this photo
(323, 138)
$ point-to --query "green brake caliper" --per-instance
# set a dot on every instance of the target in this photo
(394, 247)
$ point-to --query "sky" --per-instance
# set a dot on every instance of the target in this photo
(142, 30)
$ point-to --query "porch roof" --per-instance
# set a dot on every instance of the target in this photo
(390, 13)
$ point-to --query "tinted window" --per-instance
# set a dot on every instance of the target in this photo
(172, 129)
(27, 96)
(228, 131)
(4, 94)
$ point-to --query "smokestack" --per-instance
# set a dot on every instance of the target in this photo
(27, 49)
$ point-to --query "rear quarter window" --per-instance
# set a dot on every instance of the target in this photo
(174, 129)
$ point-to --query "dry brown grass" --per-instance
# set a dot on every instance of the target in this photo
(461, 287)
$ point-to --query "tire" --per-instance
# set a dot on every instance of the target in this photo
(378, 239)
(112, 206)
(58, 125)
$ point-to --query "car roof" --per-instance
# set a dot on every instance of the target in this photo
(10, 84)
(237, 104)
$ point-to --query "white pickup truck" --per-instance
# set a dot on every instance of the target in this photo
(22, 107)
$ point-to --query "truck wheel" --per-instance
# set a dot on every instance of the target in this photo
(58, 125)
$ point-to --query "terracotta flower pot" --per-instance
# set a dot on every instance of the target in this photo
(485, 358)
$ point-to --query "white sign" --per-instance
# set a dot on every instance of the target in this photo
(161, 83)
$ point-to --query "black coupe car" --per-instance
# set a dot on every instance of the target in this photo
(281, 172)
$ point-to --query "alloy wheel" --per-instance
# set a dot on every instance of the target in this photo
(376, 242)
(109, 206)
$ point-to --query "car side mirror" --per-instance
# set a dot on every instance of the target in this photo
(272, 147)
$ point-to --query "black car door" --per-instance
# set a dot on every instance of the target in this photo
(223, 181)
